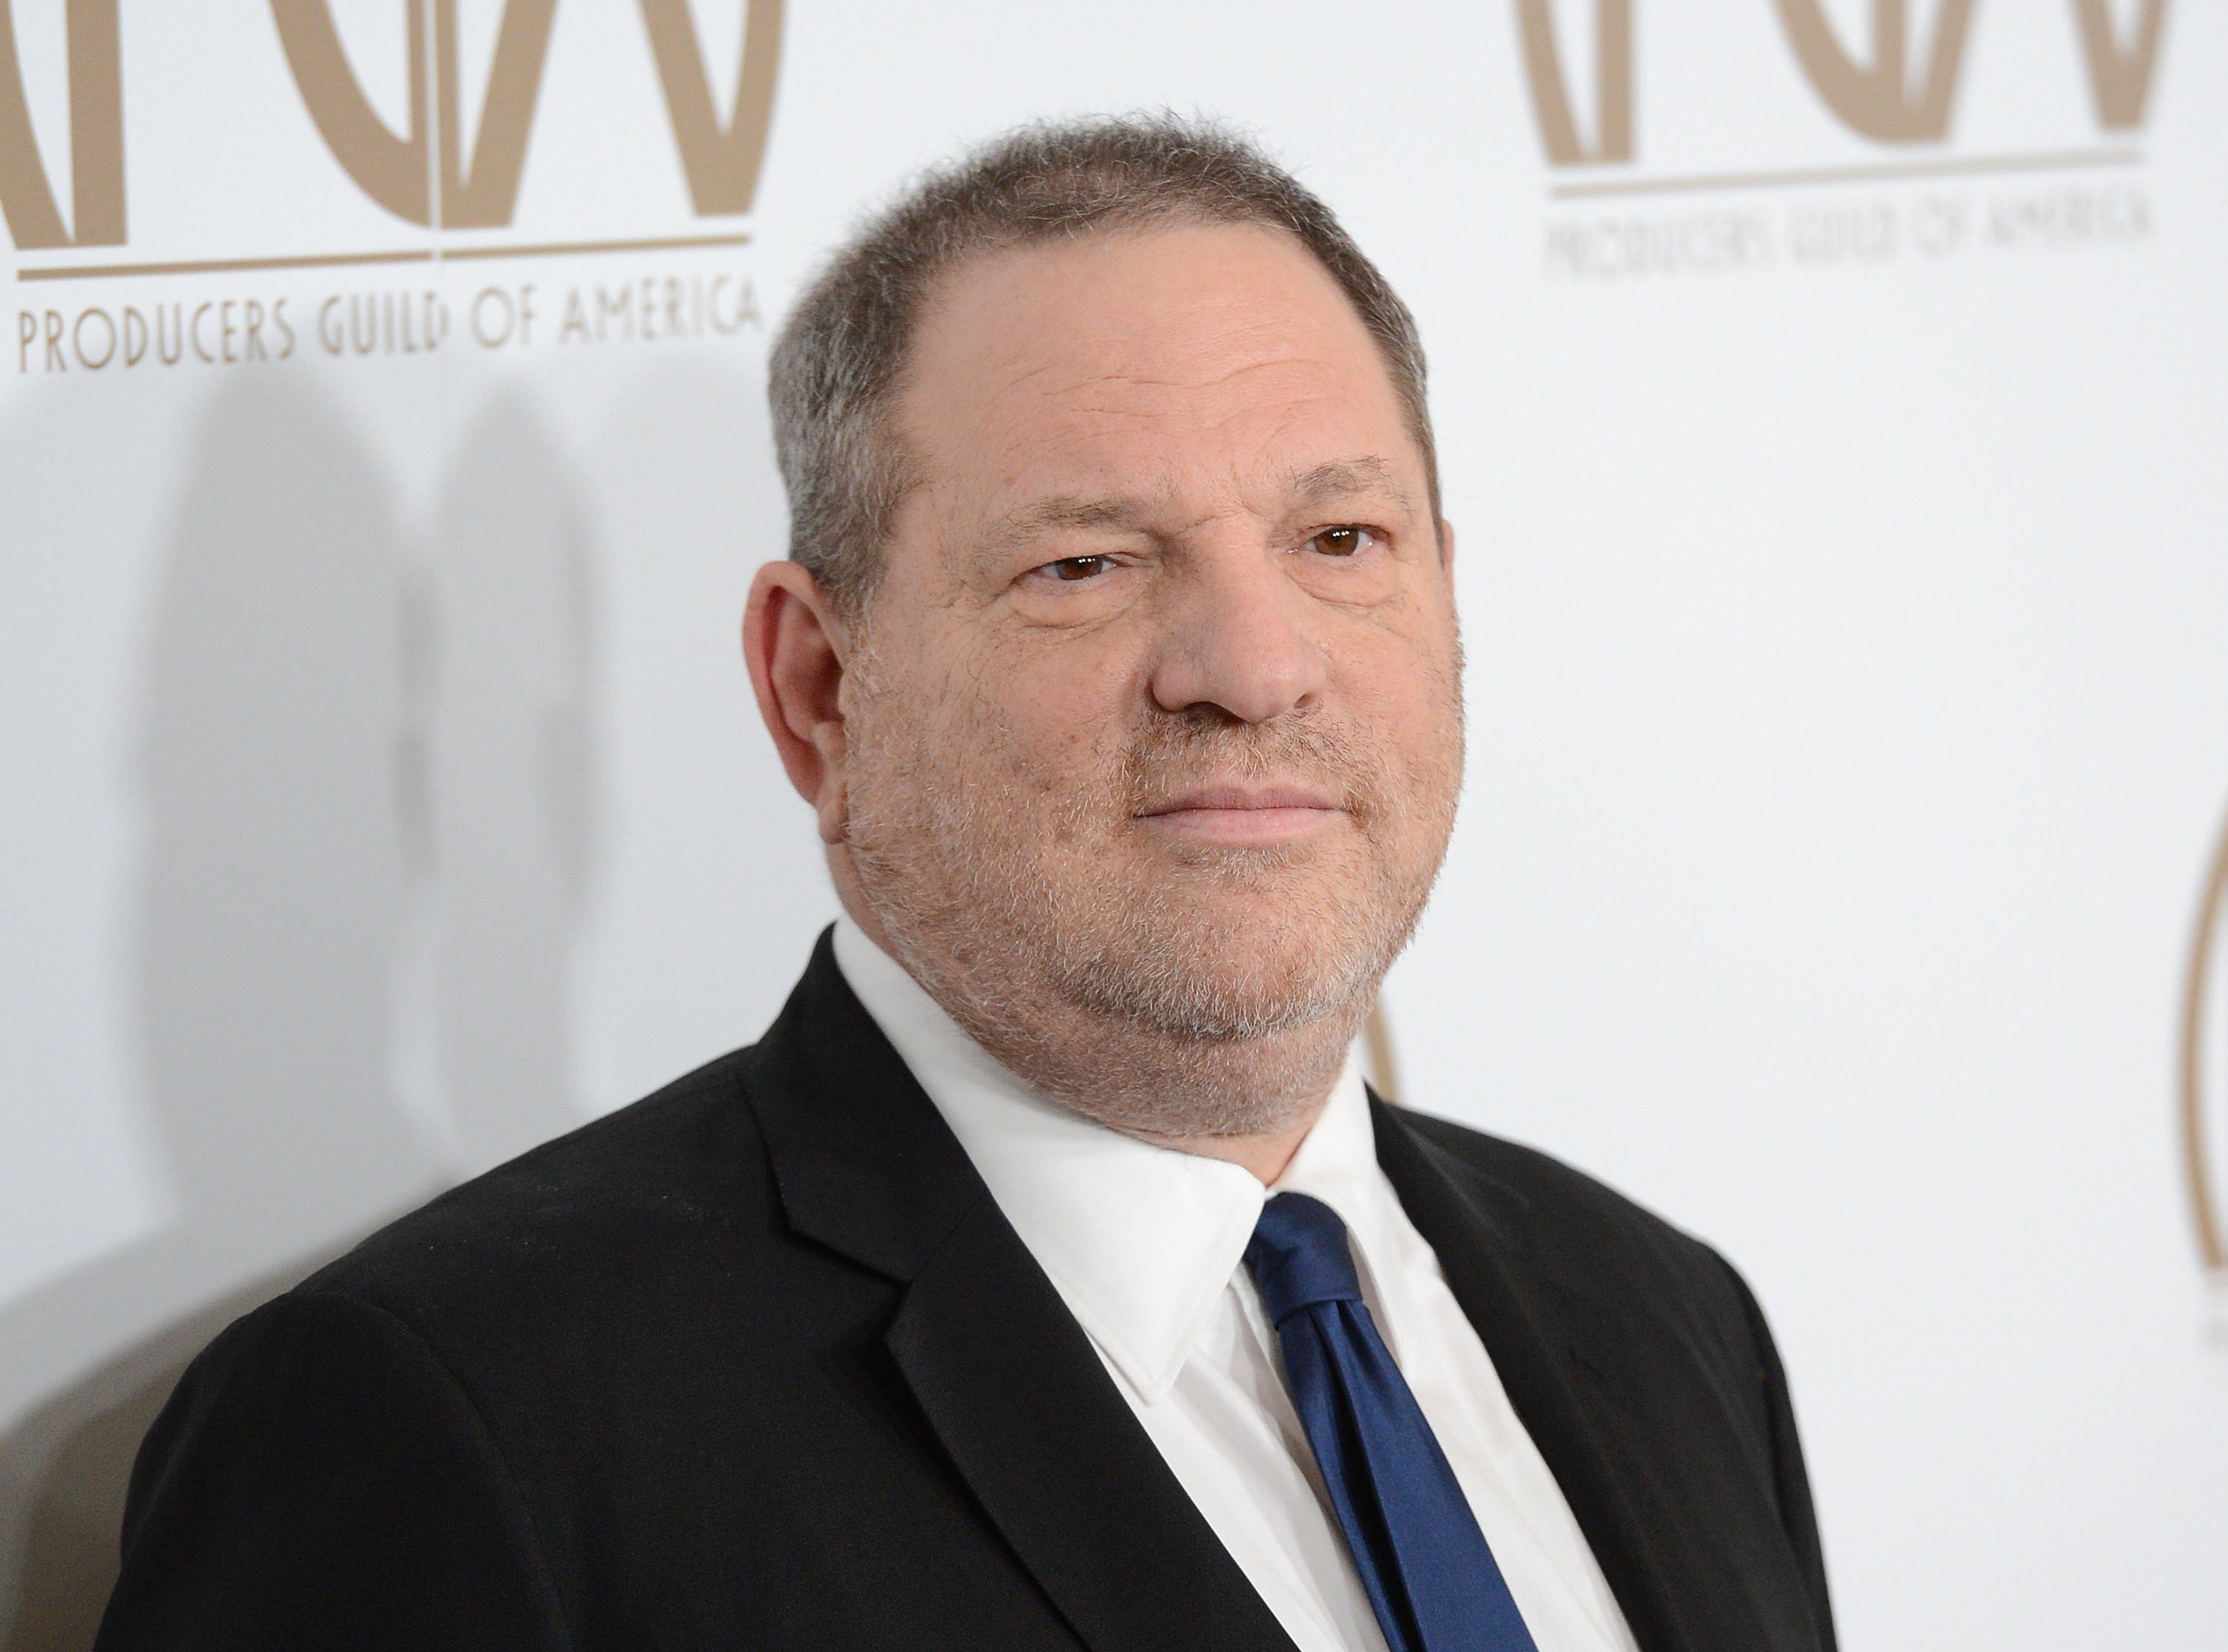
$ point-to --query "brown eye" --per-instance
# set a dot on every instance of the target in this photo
(1341, 541)
(1073, 568)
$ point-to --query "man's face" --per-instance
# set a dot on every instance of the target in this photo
(1153, 722)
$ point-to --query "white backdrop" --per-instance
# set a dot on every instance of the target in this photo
(1835, 450)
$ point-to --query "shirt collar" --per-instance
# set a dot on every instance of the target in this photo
(1139, 1240)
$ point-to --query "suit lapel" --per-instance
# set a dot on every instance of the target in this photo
(1009, 1381)
(1021, 1402)
(1545, 1344)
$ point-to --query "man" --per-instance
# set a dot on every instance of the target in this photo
(1046, 1276)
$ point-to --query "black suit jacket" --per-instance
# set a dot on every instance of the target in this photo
(757, 1363)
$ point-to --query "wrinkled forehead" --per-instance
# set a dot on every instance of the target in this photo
(1179, 357)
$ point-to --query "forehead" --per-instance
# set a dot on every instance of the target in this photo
(1203, 353)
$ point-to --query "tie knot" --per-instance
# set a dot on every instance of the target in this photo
(1298, 1257)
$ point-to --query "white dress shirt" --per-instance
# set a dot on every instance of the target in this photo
(1146, 1244)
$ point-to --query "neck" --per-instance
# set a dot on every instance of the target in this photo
(1266, 1155)
(1249, 1102)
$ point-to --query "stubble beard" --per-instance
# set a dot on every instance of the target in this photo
(1167, 990)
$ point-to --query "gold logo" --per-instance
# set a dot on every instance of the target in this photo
(719, 159)
(1878, 97)
(96, 105)
(1551, 97)
(2204, 1084)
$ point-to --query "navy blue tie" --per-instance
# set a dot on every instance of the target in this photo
(1429, 1575)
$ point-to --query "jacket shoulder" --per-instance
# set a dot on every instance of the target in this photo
(665, 1186)
(235, 1532)
(1584, 1231)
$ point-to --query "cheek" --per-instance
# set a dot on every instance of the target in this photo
(1404, 688)
(1058, 715)
(1402, 659)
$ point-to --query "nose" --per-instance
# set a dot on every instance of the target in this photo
(1235, 637)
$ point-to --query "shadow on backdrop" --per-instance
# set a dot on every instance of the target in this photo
(508, 767)
(338, 779)
(690, 505)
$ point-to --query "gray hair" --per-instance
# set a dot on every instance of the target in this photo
(838, 360)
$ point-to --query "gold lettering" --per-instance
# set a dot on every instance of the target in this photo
(77, 340)
(1878, 101)
(610, 308)
(745, 312)
(491, 338)
(1551, 97)
(721, 162)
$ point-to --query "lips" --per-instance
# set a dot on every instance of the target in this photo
(1268, 815)
(1240, 798)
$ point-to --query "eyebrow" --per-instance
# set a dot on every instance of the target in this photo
(1069, 513)
(1134, 513)
(1341, 478)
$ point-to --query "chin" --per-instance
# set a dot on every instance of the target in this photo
(1218, 977)
(1238, 950)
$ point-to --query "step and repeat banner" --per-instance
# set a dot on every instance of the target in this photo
(1832, 396)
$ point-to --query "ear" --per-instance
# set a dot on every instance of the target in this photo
(795, 646)
(1446, 544)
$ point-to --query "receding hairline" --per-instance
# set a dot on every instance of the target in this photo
(1171, 218)
(936, 296)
